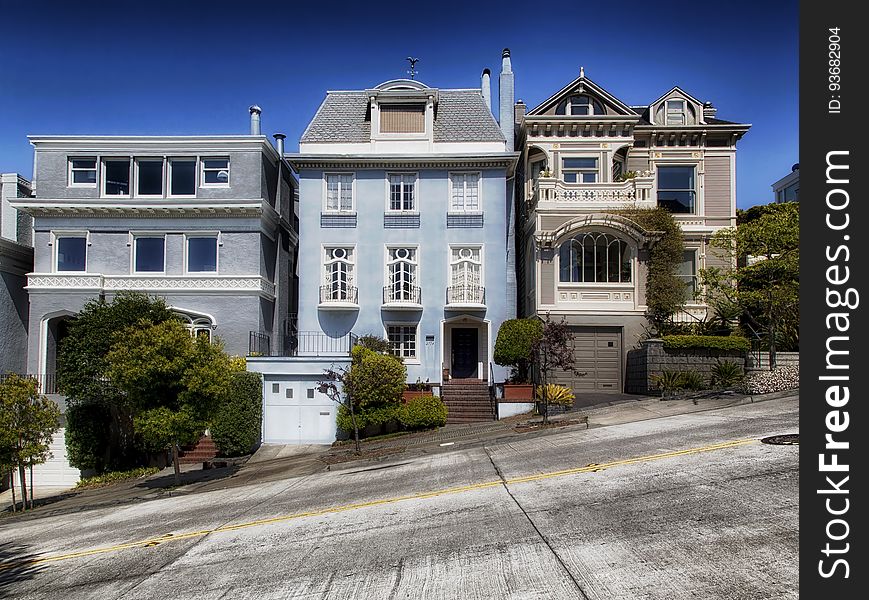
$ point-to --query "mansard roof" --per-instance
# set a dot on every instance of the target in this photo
(460, 116)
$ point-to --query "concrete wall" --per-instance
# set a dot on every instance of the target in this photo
(652, 359)
(13, 323)
(433, 238)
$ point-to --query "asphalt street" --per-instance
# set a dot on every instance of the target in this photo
(687, 506)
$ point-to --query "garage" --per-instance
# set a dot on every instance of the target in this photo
(597, 352)
(296, 412)
(56, 472)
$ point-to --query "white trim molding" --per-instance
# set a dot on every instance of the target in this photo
(212, 284)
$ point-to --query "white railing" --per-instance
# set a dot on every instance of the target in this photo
(154, 283)
(604, 194)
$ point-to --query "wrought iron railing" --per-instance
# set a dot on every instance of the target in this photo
(300, 343)
(466, 294)
(338, 293)
(402, 294)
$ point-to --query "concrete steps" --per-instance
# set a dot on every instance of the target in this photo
(468, 401)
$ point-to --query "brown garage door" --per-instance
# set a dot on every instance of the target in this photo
(597, 353)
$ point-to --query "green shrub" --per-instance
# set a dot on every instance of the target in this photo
(423, 412)
(375, 343)
(236, 425)
(693, 380)
(669, 382)
(87, 435)
(114, 477)
(365, 416)
(376, 379)
(513, 345)
(731, 342)
(556, 394)
(727, 373)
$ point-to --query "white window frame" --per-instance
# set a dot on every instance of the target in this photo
(464, 210)
(415, 262)
(408, 360)
(202, 234)
(70, 170)
(683, 112)
(339, 210)
(76, 233)
(596, 170)
(202, 171)
(135, 183)
(696, 276)
(351, 274)
(630, 253)
(169, 161)
(402, 211)
(481, 248)
(130, 182)
(134, 235)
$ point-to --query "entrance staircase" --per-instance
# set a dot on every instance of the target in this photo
(203, 450)
(467, 401)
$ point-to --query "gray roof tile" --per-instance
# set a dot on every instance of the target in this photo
(460, 116)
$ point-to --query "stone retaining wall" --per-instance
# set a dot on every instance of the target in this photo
(652, 359)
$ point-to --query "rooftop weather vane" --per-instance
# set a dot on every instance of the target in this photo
(412, 62)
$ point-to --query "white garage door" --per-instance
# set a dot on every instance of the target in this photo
(297, 413)
(56, 472)
(597, 352)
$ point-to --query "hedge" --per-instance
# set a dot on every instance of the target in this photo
(732, 342)
(365, 416)
(237, 422)
(423, 412)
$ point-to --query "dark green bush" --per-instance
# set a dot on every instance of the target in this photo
(365, 416)
(693, 380)
(423, 412)
(727, 373)
(376, 379)
(513, 345)
(87, 435)
(731, 342)
(237, 422)
(669, 382)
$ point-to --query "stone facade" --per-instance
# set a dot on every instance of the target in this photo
(652, 359)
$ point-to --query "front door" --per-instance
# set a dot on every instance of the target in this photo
(465, 352)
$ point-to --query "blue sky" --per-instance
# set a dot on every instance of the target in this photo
(194, 67)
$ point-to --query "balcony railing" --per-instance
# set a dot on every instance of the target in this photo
(466, 294)
(594, 195)
(46, 382)
(300, 343)
(409, 294)
(346, 294)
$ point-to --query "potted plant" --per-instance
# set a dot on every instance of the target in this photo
(513, 348)
(416, 390)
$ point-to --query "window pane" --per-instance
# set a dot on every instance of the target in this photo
(676, 178)
(216, 163)
(183, 178)
(571, 177)
(89, 176)
(580, 163)
(117, 177)
(149, 254)
(201, 254)
(84, 163)
(71, 253)
(589, 177)
(150, 177)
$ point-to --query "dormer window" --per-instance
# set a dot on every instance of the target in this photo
(402, 118)
(581, 105)
(676, 112)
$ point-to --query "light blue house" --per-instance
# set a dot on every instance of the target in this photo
(406, 233)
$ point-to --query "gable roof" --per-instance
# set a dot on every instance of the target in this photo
(676, 88)
(460, 116)
(588, 84)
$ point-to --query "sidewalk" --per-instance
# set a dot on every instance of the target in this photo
(279, 462)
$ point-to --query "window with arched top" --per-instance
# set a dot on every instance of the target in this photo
(594, 257)
(580, 105)
(198, 326)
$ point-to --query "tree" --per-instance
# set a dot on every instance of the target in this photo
(514, 343)
(28, 420)
(766, 285)
(553, 350)
(171, 381)
(100, 436)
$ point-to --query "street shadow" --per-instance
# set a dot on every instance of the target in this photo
(15, 567)
(38, 502)
(188, 477)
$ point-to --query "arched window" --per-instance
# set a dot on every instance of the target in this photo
(579, 105)
(198, 326)
(594, 257)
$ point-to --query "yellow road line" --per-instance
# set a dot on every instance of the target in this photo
(348, 507)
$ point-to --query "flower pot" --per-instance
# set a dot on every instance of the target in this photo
(518, 392)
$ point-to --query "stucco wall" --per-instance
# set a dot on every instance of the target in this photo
(13, 323)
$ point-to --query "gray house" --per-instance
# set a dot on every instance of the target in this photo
(405, 213)
(16, 260)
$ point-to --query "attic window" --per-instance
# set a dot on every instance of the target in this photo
(402, 118)
(579, 105)
(675, 112)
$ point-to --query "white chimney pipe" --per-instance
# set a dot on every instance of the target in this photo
(255, 112)
(279, 142)
(505, 97)
(486, 86)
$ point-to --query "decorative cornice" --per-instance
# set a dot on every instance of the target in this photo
(217, 284)
(102, 207)
(357, 161)
(154, 143)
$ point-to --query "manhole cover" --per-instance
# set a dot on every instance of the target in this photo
(789, 439)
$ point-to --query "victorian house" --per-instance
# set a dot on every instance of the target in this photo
(585, 154)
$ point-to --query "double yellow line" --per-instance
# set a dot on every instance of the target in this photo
(156, 541)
